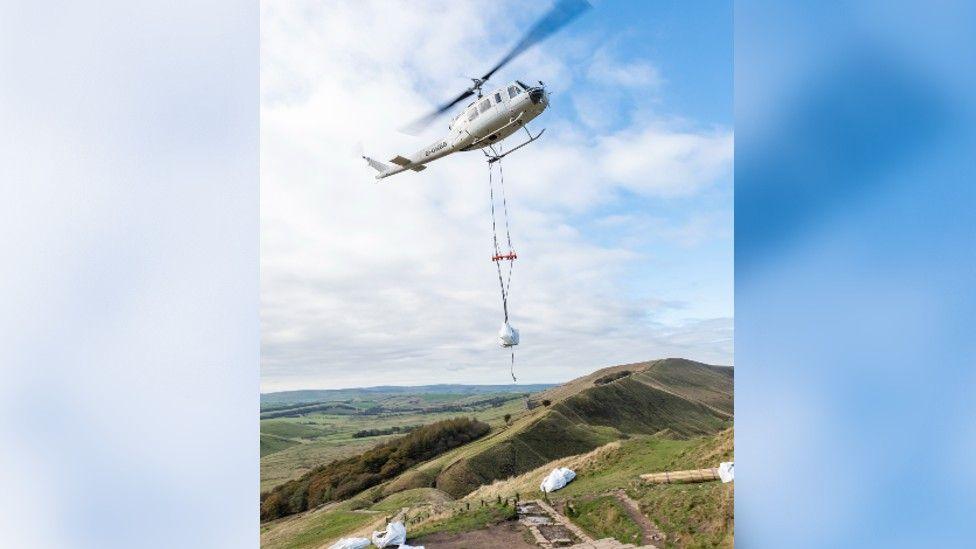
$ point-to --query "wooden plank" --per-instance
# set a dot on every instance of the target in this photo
(678, 477)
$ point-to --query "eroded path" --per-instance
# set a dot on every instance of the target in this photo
(553, 529)
(651, 535)
(508, 535)
(550, 528)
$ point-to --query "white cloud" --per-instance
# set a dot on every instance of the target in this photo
(606, 70)
(367, 283)
(658, 160)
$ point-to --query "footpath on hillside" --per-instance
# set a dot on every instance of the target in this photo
(552, 529)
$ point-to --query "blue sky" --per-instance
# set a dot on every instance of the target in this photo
(690, 44)
(621, 213)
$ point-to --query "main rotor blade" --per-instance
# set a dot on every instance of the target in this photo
(419, 124)
(556, 18)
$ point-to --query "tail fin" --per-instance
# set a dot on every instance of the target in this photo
(377, 165)
(383, 169)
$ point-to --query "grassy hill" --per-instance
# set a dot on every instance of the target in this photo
(680, 396)
(609, 426)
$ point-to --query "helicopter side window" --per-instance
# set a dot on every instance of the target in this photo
(473, 114)
(498, 98)
(513, 91)
(484, 105)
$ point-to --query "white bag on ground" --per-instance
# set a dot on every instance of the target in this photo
(508, 336)
(726, 471)
(350, 543)
(557, 479)
(394, 535)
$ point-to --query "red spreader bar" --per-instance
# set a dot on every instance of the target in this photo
(510, 256)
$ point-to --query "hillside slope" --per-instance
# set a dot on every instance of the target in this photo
(683, 397)
(632, 419)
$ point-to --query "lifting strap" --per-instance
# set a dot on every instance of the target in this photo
(504, 281)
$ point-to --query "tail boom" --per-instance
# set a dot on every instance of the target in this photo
(401, 165)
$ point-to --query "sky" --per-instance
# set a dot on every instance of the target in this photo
(621, 214)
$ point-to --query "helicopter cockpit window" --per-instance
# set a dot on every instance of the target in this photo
(513, 91)
(484, 105)
(473, 114)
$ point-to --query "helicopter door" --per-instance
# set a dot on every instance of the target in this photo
(500, 111)
(482, 123)
(501, 104)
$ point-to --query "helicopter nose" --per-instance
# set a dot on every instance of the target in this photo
(537, 95)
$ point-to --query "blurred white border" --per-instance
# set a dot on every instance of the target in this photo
(129, 224)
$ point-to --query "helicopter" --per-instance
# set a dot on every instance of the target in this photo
(491, 117)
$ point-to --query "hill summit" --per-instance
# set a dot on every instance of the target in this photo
(680, 397)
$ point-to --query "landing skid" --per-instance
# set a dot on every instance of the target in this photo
(495, 157)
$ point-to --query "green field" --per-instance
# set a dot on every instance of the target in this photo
(289, 398)
(292, 446)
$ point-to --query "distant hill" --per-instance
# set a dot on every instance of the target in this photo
(326, 395)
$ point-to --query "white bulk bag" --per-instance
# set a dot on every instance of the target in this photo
(726, 471)
(508, 336)
(395, 534)
(350, 543)
(557, 479)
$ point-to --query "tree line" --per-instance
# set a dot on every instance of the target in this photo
(388, 431)
(295, 411)
(344, 478)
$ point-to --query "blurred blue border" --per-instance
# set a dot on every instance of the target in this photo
(855, 265)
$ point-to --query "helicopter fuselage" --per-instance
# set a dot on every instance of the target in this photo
(484, 122)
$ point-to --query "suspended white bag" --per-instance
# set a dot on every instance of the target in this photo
(557, 479)
(350, 543)
(726, 471)
(508, 336)
(394, 535)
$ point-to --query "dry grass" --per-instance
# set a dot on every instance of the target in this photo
(528, 483)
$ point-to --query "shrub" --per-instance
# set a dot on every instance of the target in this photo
(611, 377)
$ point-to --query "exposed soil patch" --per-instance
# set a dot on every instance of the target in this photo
(651, 533)
(508, 535)
(558, 535)
(548, 527)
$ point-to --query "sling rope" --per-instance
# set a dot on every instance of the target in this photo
(505, 282)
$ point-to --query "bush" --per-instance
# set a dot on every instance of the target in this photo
(611, 377)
